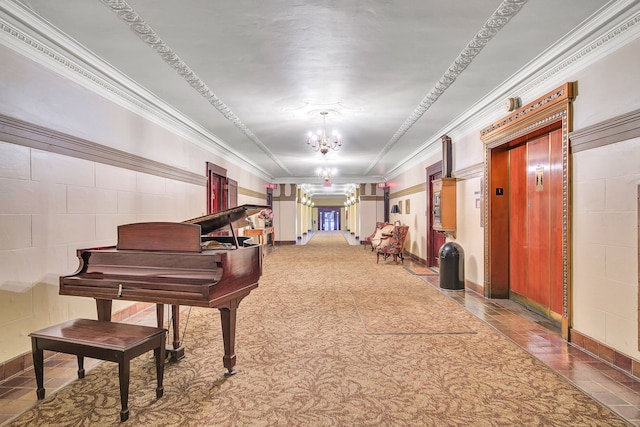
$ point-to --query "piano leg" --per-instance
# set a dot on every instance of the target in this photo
(160, 315)
(104, 309)
(176, 351)
(228, 319)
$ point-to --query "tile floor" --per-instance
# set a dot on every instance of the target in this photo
(540, 338)
(533, 333)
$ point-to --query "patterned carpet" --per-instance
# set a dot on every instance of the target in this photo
(330, 338)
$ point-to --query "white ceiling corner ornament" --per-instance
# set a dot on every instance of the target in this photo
(135, 22)
(507, 10)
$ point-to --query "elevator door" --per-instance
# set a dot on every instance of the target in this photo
(535, 223)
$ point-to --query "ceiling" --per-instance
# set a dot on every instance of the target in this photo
(254, 75)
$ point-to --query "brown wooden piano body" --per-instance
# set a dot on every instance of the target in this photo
(165, 263)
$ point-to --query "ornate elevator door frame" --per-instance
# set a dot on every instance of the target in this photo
(552, 109)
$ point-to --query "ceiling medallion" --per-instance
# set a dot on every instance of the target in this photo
(321, 142)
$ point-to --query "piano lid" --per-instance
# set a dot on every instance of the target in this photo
(217, 220)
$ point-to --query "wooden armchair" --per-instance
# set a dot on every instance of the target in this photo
(393, 244)
(367, 240)
(375, 239)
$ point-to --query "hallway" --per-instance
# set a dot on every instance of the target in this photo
(533, 333)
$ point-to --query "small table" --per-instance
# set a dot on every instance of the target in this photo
(111, 341)
(262, 234)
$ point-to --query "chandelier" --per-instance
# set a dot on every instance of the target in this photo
(321, 142)
(326, 174)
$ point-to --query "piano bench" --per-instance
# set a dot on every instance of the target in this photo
(110, 341)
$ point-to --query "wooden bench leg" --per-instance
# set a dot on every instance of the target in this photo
(123, 371)
(159, 354)
(82, 337)
(38, 367)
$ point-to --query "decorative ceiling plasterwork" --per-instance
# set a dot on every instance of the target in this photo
(127, 14)
(534, 76)
(577, 59)
(507, 10)
(312, 110)
(497, 21)
(144, 108)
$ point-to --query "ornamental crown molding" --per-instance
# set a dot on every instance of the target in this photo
(145, 33)
(123, 92)
(490, 109)
(507, 10)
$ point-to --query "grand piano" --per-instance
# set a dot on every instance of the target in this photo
(199, 262)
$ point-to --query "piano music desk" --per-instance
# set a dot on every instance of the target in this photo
(262, 234)
(111, 341)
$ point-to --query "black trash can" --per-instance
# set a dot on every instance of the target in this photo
(451, 266)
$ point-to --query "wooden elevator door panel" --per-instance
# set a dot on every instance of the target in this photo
(538, 190)
(518, 220)
(535, 222)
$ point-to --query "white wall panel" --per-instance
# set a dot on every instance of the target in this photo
(58, 169)
(114, 178)
(605, 247)
(15, 232)
(15, 162)
(18, 196)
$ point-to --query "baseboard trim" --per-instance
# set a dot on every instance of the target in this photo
(479, 289)
(414, 258)
(605, 353)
